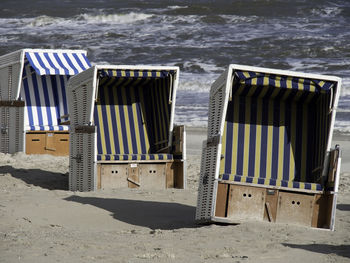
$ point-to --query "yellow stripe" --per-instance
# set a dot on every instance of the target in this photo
(293, 141)
(144, 119)
(258, 138)
(269, 141)
(136, 123)
(277, 89)
(240, 89)
(246, 136)
(109, 120)
(127, 119)
(100, 125)
(161, 111)
(304, 145)
(281, 141)
(289, 88)
(118, 120)
(166, 87)
(235, 134)
(223, 149)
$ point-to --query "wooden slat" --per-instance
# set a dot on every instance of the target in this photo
(221, 200)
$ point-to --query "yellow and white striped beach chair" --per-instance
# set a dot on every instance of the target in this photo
(126, 113)
(268, 154)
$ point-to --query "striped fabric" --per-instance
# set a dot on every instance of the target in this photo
(275, 130)
(133, 157)
(133, 113)
(57, 63)
(44, 79)
(271, 182)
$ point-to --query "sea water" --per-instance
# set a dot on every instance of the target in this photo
(201, 37)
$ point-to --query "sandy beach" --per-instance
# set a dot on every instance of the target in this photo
(41, 221)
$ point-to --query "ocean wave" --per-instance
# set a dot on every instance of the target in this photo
(326, 11)
(83, 19)
(114, 18)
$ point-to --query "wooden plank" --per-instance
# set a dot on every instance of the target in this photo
(322, 211)
(295, 208)
(98, 167)
(221, 200)
(246, 202)
(178, 139)
(271, 205)
(179, 174)
(35, 143)
(153, 176)
(114, 176)
(169, 170)
(61, 144)
(133, 176)
(50, 145)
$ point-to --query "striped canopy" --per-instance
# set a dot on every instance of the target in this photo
(283, 82)
(135, 73)
(57, 62)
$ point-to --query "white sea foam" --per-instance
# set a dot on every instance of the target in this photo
(114, 18)
(327, 11)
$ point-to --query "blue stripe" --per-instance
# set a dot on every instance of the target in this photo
(66, 71)
(122, 121)
(37, 98)
(131, 118)
(229, 137)
(105, 121)
(252, 137)
(240, 150)
(287, 141)
(47, 100)
(27, 96)
(139, 120)
(264, 130)
(31, 62)
(111, 92)
(70, 63)
(99, 143)
(63, 80)
(55, 97)
(298, 143)
(47, 71)
(46, 55)
(78, 61)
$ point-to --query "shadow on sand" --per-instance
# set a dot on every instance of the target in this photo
(37, 177)
(343, 207)
(151, 214)
(341, 250)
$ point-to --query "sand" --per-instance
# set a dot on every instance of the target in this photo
(40, 221)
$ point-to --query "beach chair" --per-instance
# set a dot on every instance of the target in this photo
(268, 154)
(122, 129)
(33, 103)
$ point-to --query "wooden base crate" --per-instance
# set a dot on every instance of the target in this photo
(145, 175)
(54, 143)
(237, 203)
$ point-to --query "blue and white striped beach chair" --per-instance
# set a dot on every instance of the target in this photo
(38, 77)
(268, 154)
(126, 114)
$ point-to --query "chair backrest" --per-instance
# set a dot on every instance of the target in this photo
(132, 112)
(45, 98)
(276, 127)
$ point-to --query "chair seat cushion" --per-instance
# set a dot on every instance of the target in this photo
(134, 157)
(272, 182)
(47, 128)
